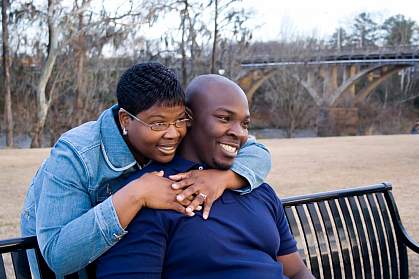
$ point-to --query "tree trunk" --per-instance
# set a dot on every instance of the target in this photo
(184, 14)
(8, 117)
(214, 43)
(79, 107)
(41, 101)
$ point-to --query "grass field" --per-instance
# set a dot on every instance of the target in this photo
(300, 166)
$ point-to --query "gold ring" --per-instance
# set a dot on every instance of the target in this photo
(204, 197)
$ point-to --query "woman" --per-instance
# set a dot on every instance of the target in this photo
(148, 123)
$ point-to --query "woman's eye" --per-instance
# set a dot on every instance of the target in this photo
(159, 123)
(246, 124)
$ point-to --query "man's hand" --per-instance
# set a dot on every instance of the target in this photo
(206, 186)
(294, 267)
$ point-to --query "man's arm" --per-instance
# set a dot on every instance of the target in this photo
(294, 266)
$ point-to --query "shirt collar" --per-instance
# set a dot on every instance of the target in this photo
(179, 164)
(114, 149)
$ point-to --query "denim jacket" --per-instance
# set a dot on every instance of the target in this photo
(61, 206)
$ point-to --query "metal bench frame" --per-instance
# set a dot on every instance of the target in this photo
(353, 232)
(356, 233)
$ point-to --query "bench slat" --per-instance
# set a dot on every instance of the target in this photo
(342, 239)
(2, 269)
(362, 238)
(20, 264)
(310, 241)
(351, 229)
(391, 242)
(321, 241)
(374, 255)
(296, 232)
(331, 239)
(402, 250)
(380, 232)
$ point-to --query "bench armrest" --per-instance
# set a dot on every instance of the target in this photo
(408, 240)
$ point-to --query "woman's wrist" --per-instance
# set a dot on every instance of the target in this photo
(127, 202)
(233, 180)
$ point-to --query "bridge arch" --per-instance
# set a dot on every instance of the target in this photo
(250, 80)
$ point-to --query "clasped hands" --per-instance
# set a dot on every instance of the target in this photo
(184, 192)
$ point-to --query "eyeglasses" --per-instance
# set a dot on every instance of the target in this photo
(161, 126)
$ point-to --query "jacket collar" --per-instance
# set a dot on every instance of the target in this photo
(114, 148)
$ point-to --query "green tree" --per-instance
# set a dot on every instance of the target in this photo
(398, 30)
(364, 31)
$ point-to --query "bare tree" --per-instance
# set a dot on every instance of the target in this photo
(8, 117)
(43, 103)
(225, 15)
(289, 100)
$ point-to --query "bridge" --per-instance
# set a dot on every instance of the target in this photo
(334, 80)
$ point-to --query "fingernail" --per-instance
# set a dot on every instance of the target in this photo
(188, 209)
(205, 216)
(191, 214)
(198, 208)
(179, 198)
(175, 186)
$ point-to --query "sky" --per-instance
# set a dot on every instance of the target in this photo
(285, 19)
(320, 17)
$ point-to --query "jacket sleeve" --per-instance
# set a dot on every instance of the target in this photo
(71, 233)
(253, 162)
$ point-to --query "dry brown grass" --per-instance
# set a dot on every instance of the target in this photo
(299, 166)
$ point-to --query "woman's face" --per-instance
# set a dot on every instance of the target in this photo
(148, 144)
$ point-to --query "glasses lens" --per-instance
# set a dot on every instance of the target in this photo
(181, 123)
(159, 126)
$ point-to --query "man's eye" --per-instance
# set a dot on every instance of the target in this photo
(223, 118)
(246, 124)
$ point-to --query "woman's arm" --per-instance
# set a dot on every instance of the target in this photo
(250, 168)
(71, 233)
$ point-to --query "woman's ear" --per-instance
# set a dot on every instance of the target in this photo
(123, 118)
(189, 114)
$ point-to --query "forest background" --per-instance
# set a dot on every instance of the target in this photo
(61, 61)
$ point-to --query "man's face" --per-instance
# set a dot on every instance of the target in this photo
(219, 126)
(158, 146)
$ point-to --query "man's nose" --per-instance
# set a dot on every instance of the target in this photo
(237, 130)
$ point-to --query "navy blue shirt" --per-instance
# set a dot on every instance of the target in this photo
(241, 239)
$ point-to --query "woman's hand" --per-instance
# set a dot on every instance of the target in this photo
(155, 191)
(206, 186)
(150, 190)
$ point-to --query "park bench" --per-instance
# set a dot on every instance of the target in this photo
(348, 233)
(351, 233)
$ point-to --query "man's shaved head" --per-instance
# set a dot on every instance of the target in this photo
(203, 87)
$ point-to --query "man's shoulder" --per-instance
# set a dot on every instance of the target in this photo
(266, 189)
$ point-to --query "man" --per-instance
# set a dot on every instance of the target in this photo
(246, 236)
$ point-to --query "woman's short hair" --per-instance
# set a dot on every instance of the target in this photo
(146, 84)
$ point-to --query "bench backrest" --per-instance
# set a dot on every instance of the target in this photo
(356, 232)
(350, 233)
(17, 248)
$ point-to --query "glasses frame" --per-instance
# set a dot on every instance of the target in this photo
(158, 128)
